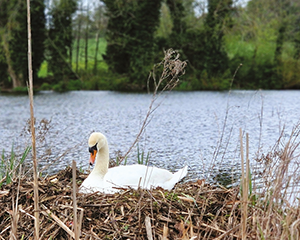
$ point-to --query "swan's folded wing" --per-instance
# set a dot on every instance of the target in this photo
(135, 176)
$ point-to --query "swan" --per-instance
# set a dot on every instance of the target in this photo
(108, 180)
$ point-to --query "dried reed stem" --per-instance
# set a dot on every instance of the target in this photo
(14, 221)
(15, 212)
(148, 228)
(76, 232)
(30, 91)
(165, 233)
(244, 190)
(173, 68)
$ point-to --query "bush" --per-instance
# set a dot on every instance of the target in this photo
(74, 85)
(20, 90)
(45, 86)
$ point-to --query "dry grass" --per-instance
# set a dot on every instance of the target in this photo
(275, 201)
(191, 210)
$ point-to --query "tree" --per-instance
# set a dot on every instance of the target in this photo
(100, 25)
(218, 17)
(130, 37)
(178, 14)
(166, 24)
(14, 38)
(60, 40)
(3, 32)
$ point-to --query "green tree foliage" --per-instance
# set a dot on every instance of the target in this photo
(217, 19)
(202, 45)
(263, 38)
(15, 40)
(59, 43)
(130, 37)
(3, 69)
(3, 64)
(166, 23)
(296, 39)
(213, 36)
(178, 14)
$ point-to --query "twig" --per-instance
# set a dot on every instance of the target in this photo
(294, 228)
(48, 213)
(228, 232)
(26, 213)
(8, 227)
(220, 141)
(244, 189)
(76, 232)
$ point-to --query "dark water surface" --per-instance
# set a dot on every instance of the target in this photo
(200, 129)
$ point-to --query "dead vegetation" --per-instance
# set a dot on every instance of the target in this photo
(191, 210)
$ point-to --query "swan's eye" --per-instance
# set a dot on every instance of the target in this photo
(92, 149)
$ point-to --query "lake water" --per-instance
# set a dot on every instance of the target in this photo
(200, 129)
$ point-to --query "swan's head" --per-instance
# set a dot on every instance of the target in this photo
(96, 142)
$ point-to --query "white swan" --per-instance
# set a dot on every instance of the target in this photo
(107, 180)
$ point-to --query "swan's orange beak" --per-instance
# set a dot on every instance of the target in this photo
(93, 156)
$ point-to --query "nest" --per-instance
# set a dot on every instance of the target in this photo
(191, 210)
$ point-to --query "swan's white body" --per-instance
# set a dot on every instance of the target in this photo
(105, 180)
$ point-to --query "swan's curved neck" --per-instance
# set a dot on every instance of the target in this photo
(102, 161)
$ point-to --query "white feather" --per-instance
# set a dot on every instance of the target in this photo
(107, 180)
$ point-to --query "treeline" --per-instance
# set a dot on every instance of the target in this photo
(114, 44)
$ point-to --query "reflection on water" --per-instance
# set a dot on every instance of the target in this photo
(200, 129)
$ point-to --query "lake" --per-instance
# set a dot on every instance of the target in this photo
(200, 129)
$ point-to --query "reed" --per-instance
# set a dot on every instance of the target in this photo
(34, 159)
(172, 69)
(277, 205)
(245, 185)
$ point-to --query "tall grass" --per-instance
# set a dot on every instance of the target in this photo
(274, 202)
(10, 165)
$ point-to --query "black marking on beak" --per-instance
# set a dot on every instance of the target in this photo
(94, 148)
